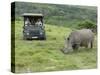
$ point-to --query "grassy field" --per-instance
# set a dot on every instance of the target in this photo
(36, 55)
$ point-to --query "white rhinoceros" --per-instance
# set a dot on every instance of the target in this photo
(83, 37)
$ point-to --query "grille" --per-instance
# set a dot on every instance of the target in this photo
(34, 33)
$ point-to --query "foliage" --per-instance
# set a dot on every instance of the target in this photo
(87, 24)
(54, 14)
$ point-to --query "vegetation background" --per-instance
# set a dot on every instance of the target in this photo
(59, 21)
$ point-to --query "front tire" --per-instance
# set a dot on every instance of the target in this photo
(42, 38)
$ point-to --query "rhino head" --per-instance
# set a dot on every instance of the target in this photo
(68, 46)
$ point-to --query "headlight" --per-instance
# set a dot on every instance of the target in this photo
(41, 33)
(27, 33)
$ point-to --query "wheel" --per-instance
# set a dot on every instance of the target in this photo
(24, 38)
(42, 38)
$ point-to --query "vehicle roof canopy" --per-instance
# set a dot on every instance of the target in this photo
(32, 14)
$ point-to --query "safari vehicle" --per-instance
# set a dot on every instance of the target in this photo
(33, 26)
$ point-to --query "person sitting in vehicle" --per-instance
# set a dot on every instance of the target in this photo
(32, 22)
(39, 23)
(27, 22)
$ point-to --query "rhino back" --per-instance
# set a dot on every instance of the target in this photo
(81, 36)
(86, 34)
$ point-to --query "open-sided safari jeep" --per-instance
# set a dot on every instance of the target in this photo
(33, 26)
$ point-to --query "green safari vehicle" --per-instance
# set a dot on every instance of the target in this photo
(33, 26)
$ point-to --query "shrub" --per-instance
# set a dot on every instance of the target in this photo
(88, 24)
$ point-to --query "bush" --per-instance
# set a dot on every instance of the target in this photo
(88, 25)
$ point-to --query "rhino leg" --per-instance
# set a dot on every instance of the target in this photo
(91, 44)
(75, 46)
(86, 45)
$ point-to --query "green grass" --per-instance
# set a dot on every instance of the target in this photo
(36, 55)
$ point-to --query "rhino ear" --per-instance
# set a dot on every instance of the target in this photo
(68, 38)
